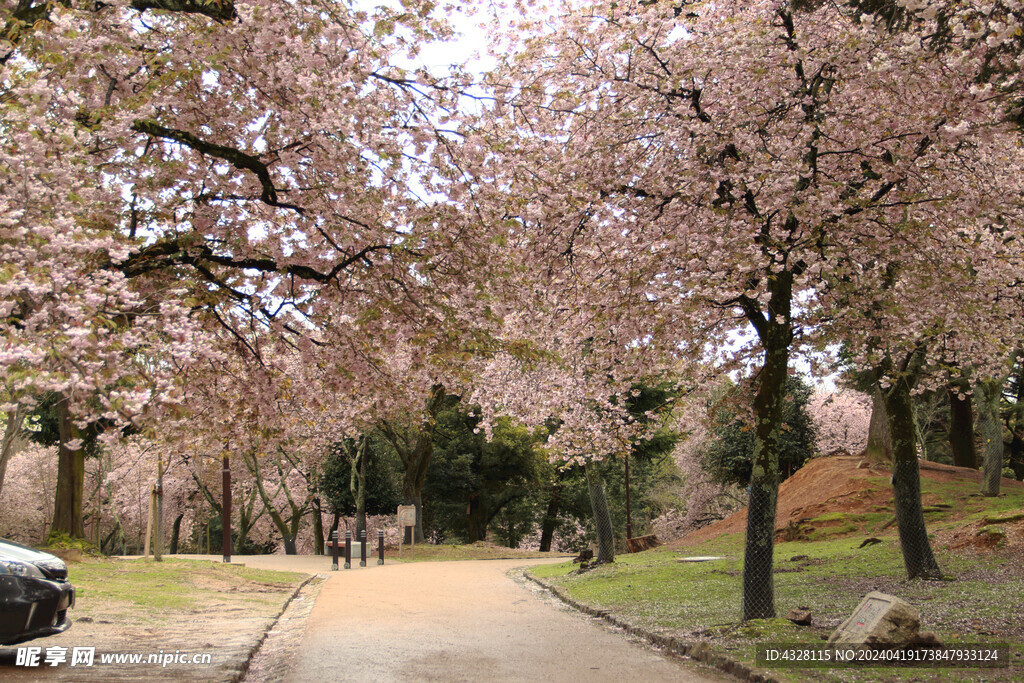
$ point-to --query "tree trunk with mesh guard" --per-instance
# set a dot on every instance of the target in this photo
(906, 477)
(879, 448)
(758, 561)
(989, 394)
(774, 327)
(602, 516)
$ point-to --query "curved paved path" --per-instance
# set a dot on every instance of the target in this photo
(463, 621)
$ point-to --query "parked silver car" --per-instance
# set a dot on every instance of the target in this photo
(35, 594)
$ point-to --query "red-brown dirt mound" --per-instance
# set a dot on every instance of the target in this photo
(837, 484)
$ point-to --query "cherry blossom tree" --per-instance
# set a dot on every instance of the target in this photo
(841, 418)
(749, 165)
(175, 170)
(25, 503)
(13, 438)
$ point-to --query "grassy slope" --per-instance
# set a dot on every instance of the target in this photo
(829, 574)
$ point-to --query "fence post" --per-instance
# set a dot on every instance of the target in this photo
(380, 546)
(348, 550)
(362, 548)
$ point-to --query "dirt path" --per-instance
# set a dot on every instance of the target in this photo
(458, 621)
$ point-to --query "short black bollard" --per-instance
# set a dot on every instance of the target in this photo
(362, 548)
(380, 546)
(348, 550)
(334, 550)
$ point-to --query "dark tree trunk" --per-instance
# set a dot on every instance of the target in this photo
(360, 473)
(289, 545)
(775, 330)
(879, 448)
(415, 453)
(67, 509)
(961, 428)
(758, 579)
(991, 428)
(176, 533)
(415, 474)
(318, 528)
(550, 521)
(1017, 457)
(602, 515)
(510, 533)
(475, 520)
(906, 476)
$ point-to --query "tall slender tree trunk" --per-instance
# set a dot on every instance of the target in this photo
(759, 552)
(906, 475)
(360, 474)
(550, 521)
(11, 441)
(415, 475)
(415, 454)
(879, 448)
(961, 427)
(318, 528)
(775, 330)
(176, 533)
(602, 515)
(67, 509)
(475, 522)
(990, 393)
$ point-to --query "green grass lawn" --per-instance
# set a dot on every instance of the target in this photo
(979, 602)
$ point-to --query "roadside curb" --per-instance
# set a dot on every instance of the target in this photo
(700, 651)
(239, 673)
